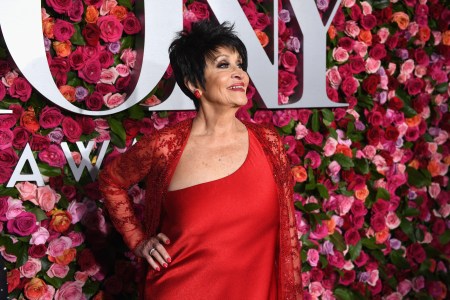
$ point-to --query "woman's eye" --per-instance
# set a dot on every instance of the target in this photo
(223, 65)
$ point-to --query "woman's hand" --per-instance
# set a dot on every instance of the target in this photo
(154, 252)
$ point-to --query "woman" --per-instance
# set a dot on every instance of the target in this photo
(219, 220)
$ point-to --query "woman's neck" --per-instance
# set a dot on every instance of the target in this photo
(214, 122)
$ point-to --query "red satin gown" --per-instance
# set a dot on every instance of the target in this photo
(223, 237)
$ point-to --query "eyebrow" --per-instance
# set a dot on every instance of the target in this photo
(216, 58)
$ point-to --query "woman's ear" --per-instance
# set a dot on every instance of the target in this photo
(190, 86)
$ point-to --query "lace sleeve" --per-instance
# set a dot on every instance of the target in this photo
(115, 179)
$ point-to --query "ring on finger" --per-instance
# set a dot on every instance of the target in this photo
(151, 250)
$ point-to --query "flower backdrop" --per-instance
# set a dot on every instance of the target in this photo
(372, 192)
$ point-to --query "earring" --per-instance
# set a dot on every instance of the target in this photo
(197, 94)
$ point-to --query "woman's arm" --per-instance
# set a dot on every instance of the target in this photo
(114, 181)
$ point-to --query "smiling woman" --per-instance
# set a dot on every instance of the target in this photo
(219, 192)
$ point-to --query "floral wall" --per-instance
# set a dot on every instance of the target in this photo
(372, 192)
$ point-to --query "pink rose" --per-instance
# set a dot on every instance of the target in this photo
(2, 91)
(316, 289)
(404, 287)
(344, 204)
(263, 116)
(383, 34)
(60, 6)
(312, 257)
(334, 168)
(113, 100)
(70, 290)
(20, 89)
(77, 238)
(30, 268)
(200, 10)
(47, 198)
(334, 77)
(360, 48)
(340, 54)
(109, 76)
(123, 70)
(53, 156)
(57, 246)
(373, 277)
(40, 237)
(301, 131)
(407, 67)
(77, 211)
(71, 129)
(372, 65)
(91, 71)
(314, 159)
(63, 30)
(392, 221)
(57, 270)
(9, 78)
(27, 191)
(281, 118)
(394, 296)
(8, 257)
(24, 224)
(289, 61)
(330, 147)
(15, 208)
(131, 24)
(352, 29)
(107, 6)
(128, 56)
(110, 28)
(50, 117)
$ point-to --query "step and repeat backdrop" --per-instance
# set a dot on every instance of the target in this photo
(358, 90)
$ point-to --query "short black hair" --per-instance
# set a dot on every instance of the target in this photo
(190, 50)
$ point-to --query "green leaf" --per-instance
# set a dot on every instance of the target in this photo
(408, 229)
(380, 4)
(77, 37)
(361, 165)
(310, 207)
(344, 161)
(315, 121)
(410, 212)
(127, 42)
(116, 140)
(343, 294)
(39, 213)
(418, 178)
(444, 239)
(338, 241)
(371, 244)
(49, 170)
(408, 111)
(126, 3)
(323, 191)
(288, 128)
(379, 256)
(9, 192)
(398, 260)
(355, 250)
(54, 281)
(383, 194)
(117, 128)
(441, 88)
(136, 112)
(327, 115)
(90, 288)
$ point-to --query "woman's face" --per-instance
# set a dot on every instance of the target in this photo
(225, 80)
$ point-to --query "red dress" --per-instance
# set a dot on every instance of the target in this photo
(223, 236)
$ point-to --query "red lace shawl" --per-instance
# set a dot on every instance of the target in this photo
(155, 159)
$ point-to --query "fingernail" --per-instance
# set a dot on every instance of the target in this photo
(165, 265)
(168, 242)
(158, 269)
(169, 259)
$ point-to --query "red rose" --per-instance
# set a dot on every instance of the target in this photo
(87, 124)
(13, 279)
(94, 101)
(76, 11)
(91, 34)
(421, 57)
(414, 86)
(378, 222)
(53, 156)
(110, 28)
(39, 142)
(357, 222)
(104, 89)
(76, 59)
(386, 14)
(8, 157)
(346, 43)
(59, 65)
(314, 138)
(262, 21)
(2, 91)
(392, 41)
(71, 129)
(348, 277)
(373, 135)
(60, 6)
(417, 253)
(131, 128)
(21, 136)
(336, 260)
(5, 174)
(368, 22)
(355, 12)
(345, 71)
(370, 83)
(91, 71)
(391, 133)
(69, 191)
(7, 121)
(50, 117)
(332, 94)
(106, 59)
(352, 237)
(438, 227)
(131, 24)
(349, 85)
(378, 52)
(37, 251)
(380, 206)
(200, 10)
(358, 209)
(122, 83)
(289, 61)
(362, 259)
(357, 64)
(375, 118)
(24, 224)
(4, 67)
(286, 82)
(63, 30)
(20, 89)
(395, 103)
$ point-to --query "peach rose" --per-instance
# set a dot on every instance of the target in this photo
(446, 38)
(29, 121)
(401, 19)
(47, 198)
(365, 36)
(382, 236)
(68, 92)
(366, 8)
(119, 12)
(47, 27)
(348, 3)
(362, 194)
(91, 14)
(262, 37)
(27, 191)
(60, 221)
(332, 32)
(63, 49)
(35, 289)
(299, 173)
(65, 258)
(107, 6)
(413, 121)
